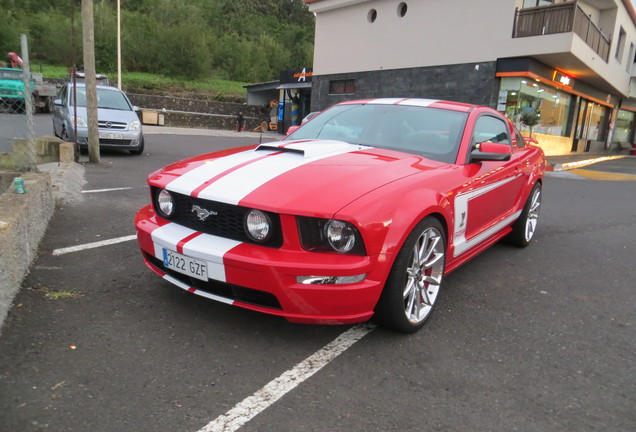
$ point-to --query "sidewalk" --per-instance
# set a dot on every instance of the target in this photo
(578, 160)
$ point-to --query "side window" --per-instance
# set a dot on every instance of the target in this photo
(490, 129)
(62, 94)
(521, 143)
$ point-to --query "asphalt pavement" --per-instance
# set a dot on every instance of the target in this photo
(536, 339)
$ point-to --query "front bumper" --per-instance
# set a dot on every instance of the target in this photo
(265, 279)
(112, 140)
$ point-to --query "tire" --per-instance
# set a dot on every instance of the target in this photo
(64, 135)
(139, 150)
(48, 105)
(524, 229)
(415, 280)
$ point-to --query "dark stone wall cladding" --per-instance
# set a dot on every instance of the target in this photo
(460, 83)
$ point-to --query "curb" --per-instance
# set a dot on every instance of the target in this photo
(566, 166)
(25, 218)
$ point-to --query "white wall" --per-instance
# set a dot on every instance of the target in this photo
(441, 32)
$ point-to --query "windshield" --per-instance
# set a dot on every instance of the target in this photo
(11, 74)
(430, 132)
(106, 98)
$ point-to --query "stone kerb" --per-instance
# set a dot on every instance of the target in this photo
(23, 221)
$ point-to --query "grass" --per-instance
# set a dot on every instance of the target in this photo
(138, 81)
(52, 294)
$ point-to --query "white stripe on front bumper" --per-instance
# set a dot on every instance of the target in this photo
(206, 247)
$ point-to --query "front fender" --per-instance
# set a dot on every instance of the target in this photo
(387, 216)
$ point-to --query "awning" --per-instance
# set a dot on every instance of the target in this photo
(294, 86)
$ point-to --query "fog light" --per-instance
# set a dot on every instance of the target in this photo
(330, 280)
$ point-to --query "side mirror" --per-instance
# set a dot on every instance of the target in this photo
(292, 129)
(488, 151)
(57, 101)
(530, 140)
(135, 108)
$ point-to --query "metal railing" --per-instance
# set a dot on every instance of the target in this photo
(561, 18)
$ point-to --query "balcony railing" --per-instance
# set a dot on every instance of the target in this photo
(561, 18)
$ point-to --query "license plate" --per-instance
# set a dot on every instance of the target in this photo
(111, 135)
(185, 265)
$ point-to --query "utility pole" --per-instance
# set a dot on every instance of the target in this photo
(88, 38)
(119, 44)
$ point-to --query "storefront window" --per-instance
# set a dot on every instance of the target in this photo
(623, 126)
(597, 123)
(523, 100)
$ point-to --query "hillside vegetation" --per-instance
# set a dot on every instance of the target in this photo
(180, 43)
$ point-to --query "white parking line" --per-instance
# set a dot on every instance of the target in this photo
(111, 189)
(253, 405)
(93, 245)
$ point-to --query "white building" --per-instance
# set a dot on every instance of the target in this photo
(569, 63)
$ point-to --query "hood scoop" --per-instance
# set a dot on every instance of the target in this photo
(310, 148)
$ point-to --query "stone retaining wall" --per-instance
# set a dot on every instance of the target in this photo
(23, 221)
(199, 113)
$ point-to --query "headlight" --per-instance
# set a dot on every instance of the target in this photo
(258, 226)
(341, 235)
(330, 235)
(135, 125)
(165, 203)
(80, 122)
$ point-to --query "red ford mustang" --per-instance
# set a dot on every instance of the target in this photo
(359, 213)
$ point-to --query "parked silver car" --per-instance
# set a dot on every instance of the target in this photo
(119, 125)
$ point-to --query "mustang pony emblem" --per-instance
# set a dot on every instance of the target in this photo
(202, 213)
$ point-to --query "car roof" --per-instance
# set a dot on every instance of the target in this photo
(432, 103)
(97, 86)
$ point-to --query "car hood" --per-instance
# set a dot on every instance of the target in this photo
(112, 115)
(296, 177)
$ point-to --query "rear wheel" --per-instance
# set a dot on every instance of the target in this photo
(414, 283)
(525, 227)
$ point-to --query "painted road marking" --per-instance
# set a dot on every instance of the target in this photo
(599, 175)
(253, 405)
(93, 245)
(111, 189)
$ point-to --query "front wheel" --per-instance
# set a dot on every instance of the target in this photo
(139, 150)
(414, 283)
(525, 227)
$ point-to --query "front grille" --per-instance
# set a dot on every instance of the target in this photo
(111, 125)
(115, 142)
(227, 223)
(229, 291)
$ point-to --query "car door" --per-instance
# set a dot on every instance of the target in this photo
(58, 115)
(486, 201)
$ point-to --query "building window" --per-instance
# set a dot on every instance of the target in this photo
(624, 126)
(620, 46)
(342, 86)
(402, 9)
(597, 122)
(629, 62)
(535, 3)
(372, 15)
(520, 98)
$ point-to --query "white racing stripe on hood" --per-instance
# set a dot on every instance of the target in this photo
(191, 180)
(237, 184)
